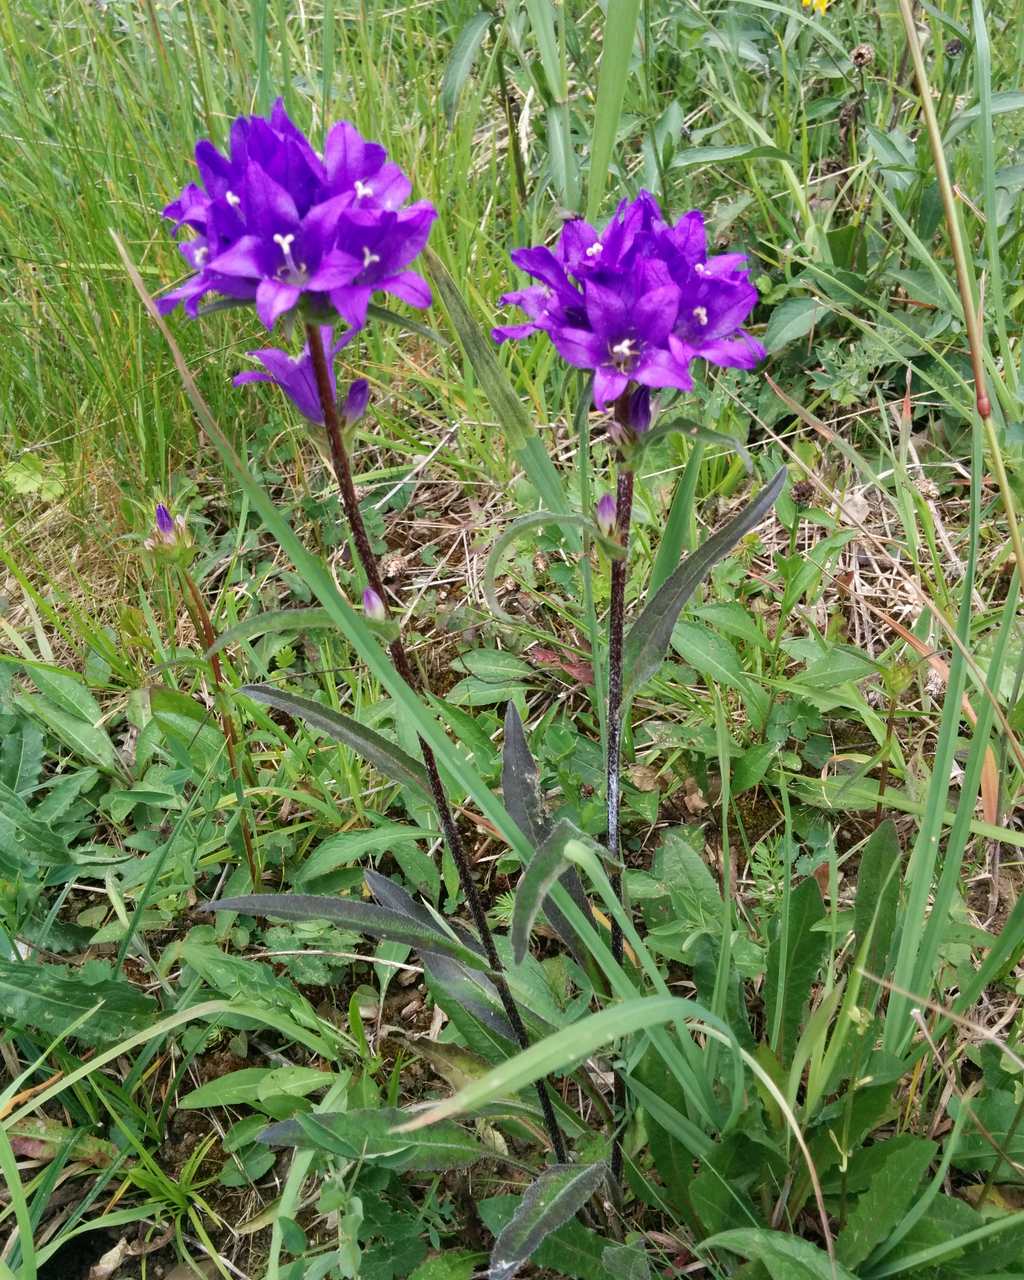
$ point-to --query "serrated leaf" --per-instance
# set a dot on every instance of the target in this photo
(50, 998)
(388, 759)
(894, 1188)
(460, 64)
(363, 917)
(784, 1257)
(651, 634)
(552, 1200)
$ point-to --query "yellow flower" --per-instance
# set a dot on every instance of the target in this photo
(819, 6)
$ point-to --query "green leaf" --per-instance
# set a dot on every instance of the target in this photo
(567, 1048)
(52, 997)
(794, 958)
(21, 756)
(698, 434)
(784, 1257)
(751, 766)
(792, 319)
(273, 623)
(369, 1134)
(347, 847)
(460, 64)
(363, 917)
(545, 868)
(573, 1250)
(616, 54)
(520, 780)
(453, 1264)
(88, 741)
(710, 653)
(898, 1170)
(554, 1198)
(388, 759)
(650, 635)
(494, 664)
(623, 1262)
(512, 417)
(878, 895)
(66, 691)
(715, 155)
(24, 836)
(253, 1085)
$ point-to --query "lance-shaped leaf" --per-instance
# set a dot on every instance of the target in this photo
(649, 637)
(547, 866)
(273, 622)
(520, 789)
(388, 759)
(460, 64)
(363, 917)
(559, 1193)
(695, 432)
(368, 1134)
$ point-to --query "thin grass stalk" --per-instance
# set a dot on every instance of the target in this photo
(975, 337)
(399, 656)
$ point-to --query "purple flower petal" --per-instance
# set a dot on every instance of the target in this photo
(273, 299)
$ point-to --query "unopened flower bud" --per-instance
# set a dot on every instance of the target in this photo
(356, 401)
(373, 606)
(638, 410)
(170, 535)
(606, 515)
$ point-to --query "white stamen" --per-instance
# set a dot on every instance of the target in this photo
(363, 189)
(595, 249)
(200, 255)
(700, 314)
(699, 268)
(284, 243)
(369, 258)
(624, 349)
(232, 199)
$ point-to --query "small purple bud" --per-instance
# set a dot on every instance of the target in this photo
(356, 401)
(606, 515)
(638, 410)
(373, 605)
(164, 520)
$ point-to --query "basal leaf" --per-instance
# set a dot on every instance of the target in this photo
(784, 1257)
(878, 893)
(893, 1189)
(273, 622)
(651, 634)
(21, 756)
(552, 1200)
(793, 960)
(369, 1134)
(87, 740)
(51, 997)
(388, 759)
(363, 917)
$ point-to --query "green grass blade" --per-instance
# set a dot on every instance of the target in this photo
(616, 53)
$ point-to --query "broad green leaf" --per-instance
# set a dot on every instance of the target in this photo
(51, 998)
(710, 653)
(460, 64)
(691, 156)
(494, 664)
(452, 1264)
(624, 1262)
(88, 741)
(23, 836)
(751, 766)
(650, 635)
(21, 756)
(794, 958)
(792, 319)
(898, 1170)
(347, 847)
(520, 780)
(273, 623)
(66, 690)
(566, 1049)
(616, 55)
(698, 434)
(370, 1134)
(254, 1084)
(784, 1257)
(512, 417)
(388, 759)
(555, 1197)
(362, 917)
(878, 893)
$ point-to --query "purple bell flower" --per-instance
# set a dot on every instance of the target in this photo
(278, 225)
(355, 402)
(636, 303)
(605, 514)
(373, 606)
(295, 374)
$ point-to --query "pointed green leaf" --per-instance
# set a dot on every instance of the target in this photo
(460, 64)
(783, 1256)
(793, 960)
(388, 759)
(369, 1134)
(271, 623)
(546, 867)
(553, 1199)
(363, 917)
(878, 893)
(898, 1168)
(651, 634)
(88, 741)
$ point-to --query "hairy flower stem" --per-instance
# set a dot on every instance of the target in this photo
(201, 616)
(616, 628)
(343, 473)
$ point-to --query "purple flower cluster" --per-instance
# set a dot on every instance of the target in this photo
(637, 302)
(277, 224)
